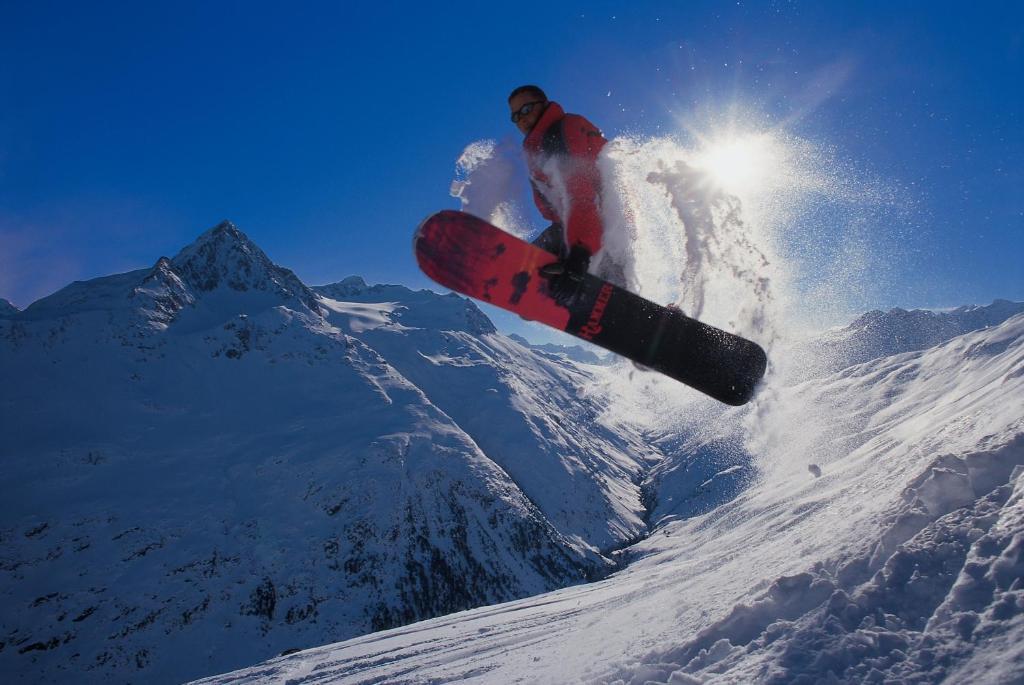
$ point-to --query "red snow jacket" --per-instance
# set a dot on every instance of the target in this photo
(574, 143)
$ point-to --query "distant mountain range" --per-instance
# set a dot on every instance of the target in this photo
(576, 353)
(897, 331)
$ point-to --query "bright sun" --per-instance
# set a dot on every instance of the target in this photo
(740, 164)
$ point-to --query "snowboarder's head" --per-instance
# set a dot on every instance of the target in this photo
(527, 104)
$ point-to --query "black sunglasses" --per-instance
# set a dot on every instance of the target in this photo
(525, 109)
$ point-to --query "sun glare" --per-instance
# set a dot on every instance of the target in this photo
(739, 164)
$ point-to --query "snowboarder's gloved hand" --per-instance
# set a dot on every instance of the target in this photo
(565, 278)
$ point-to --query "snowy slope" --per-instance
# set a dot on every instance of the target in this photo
(902, 559)
(577, 464)
(202, 471)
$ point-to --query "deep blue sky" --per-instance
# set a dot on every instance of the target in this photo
(328, 131)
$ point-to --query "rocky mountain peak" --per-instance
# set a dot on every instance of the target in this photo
(224, 257)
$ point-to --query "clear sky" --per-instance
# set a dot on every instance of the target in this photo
(327, 131)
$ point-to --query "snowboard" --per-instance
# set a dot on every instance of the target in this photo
(472, 257)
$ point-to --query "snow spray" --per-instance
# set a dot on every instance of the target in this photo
(761, 234)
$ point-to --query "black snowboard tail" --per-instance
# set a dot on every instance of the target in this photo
(720, 364)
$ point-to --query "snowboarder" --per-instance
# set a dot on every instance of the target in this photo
(549, 281)
(561, 153)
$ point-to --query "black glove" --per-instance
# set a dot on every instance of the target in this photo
(565, 278)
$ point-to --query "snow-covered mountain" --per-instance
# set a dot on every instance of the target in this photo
(578, 464)
(6, 308)
(881, 334)
(209, 463)
(869, 527)
(576, 353)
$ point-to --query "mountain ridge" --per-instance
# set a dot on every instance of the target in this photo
(877, 334)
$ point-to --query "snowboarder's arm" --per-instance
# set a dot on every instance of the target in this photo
(583, 141)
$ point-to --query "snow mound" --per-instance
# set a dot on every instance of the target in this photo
(942, 595)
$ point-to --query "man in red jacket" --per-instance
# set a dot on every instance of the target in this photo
(561, 152)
